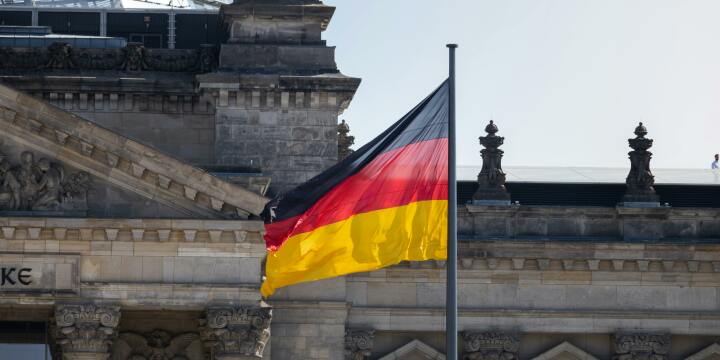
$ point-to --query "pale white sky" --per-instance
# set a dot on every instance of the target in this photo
(565, 80)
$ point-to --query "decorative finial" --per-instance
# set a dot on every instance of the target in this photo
(641, 131)
(640, 180)
(491, 180)
(491, 128)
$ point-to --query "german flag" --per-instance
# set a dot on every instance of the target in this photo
(383, 204)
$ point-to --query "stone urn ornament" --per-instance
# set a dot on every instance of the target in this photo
(491, 179)
(640, 180)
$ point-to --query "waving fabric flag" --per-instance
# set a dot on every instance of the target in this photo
(383, 204)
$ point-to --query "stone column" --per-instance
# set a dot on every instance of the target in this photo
(490, 345)
(491, 180)
(637, 346)
(359, 344)
(86, 331)
(640, 180)
(236, 332)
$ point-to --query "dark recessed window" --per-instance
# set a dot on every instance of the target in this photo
(23, 340)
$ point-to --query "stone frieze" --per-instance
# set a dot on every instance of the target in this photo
(133, 57)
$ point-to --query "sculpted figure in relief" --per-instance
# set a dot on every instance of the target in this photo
(49, 186)
(40, 186)
(9, 186)
(28, 175)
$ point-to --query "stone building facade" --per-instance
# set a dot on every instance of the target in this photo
(132, 180)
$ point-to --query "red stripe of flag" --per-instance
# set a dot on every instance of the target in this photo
(414, 172)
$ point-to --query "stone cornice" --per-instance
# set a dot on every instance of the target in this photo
(326, 82)
(527, 320)
(161, 230)
(143, 296)
(530, 210)
(121, 161)
(591, 224)
(566, 256)
(547, 264)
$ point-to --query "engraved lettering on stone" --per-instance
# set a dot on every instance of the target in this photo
(7, 276)
(641, 346)
(86, 328)
(24, 276)
(40, 186)
(490, 346)
(236, 331)
(157, 345)
(359, 344)
(12, 276)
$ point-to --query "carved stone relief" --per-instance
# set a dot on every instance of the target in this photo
(641, 346)
(59, 56)
(133, 57)
(41, 185)
(490, 346)
(157, 345)
(236, 332)
(358, 344)
(85, 330)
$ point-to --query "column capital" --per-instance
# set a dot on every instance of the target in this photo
(490, 345)
(236, 332)
(358, 344)
(629, 346)
(86, 331)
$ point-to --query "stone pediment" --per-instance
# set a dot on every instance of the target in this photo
(50, 132)
(711, 352)
(414, 350)
(565, 351)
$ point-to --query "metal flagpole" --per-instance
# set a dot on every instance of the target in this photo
(451, 296)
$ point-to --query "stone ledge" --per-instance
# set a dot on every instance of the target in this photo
(155, 230)
(525, 320)
(160, 297)
(617, 263)
(591, 224)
